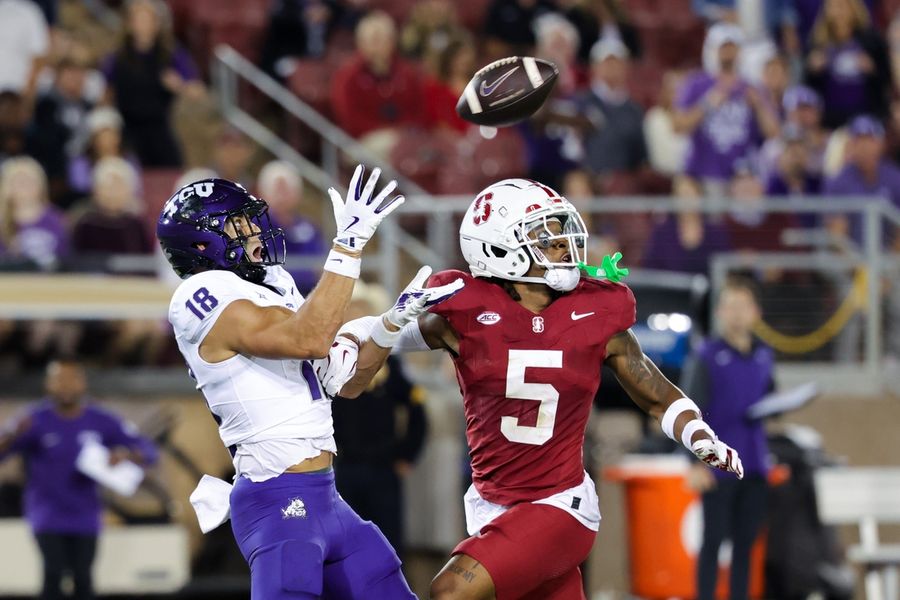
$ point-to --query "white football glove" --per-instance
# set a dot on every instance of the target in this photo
(416, 299)
(718, 454)
(358, 217)
(339, 366)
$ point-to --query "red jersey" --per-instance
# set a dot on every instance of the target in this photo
(528, 380)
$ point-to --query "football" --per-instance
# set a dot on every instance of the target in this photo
(507, 91)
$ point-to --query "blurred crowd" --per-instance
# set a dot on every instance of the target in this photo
(105, 109)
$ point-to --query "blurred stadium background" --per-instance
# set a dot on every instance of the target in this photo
(106, 106)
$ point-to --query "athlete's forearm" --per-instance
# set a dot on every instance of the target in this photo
(320, 317)
(645, 384)
(370, 360)
(643, 381)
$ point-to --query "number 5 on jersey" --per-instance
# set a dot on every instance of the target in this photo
(546, 394)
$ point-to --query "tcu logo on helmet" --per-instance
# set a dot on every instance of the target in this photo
(204, 189)
(482, 209)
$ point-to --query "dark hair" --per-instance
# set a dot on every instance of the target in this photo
(745, 283)
(510, 289)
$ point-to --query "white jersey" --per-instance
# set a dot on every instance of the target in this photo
(272, 413)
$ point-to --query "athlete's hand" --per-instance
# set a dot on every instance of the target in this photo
(339, 366)
(416, 299)
(718, 454)
(358, 217)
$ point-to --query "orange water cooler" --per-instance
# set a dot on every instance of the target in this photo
(665, 527)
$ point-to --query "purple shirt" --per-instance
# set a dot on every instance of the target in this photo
(777, 187)
(725, 134)
(844, 91)
(850, 182)
(46, 240)
(665, 251)
(303, 240)
(731, 383)
(58, 497)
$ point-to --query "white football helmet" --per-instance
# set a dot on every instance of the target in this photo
(494, 232)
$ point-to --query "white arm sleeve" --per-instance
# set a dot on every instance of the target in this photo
(411, 339)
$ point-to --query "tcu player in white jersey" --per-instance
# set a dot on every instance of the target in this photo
(248, 337)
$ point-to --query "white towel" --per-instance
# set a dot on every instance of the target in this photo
(210, 500)
(93, 460)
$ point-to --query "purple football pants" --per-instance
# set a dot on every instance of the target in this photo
(303, 541)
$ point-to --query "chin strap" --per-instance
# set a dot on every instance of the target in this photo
(609, 268)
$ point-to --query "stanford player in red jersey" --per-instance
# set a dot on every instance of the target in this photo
(528, 336)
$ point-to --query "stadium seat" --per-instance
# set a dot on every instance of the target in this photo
(644, 82)
(499, 158)
(310, 81)
(157, 185)
(472, 13)
(420, 154)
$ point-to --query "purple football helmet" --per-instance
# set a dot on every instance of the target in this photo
(191, 230)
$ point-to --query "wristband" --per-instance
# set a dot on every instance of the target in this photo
(693, 427)
(343, 264)
(383, 337)
(676, 408)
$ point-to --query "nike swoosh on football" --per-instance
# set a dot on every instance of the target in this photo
(576, 316)
(487, 90)
(355, 221)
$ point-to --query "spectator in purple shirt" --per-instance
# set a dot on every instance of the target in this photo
(802, 108)
(31, 229)
(62, 505)
(866, 173)
(145, 75)
(280, 186)
(848, 63)
(725, 377)
(725, 117)
(794, 176)
(685, 241)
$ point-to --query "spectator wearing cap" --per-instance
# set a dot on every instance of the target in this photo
(614, 142)
(103, 140)
(793, 175)
(377, 90)
(725, 117)
(145, 75)
(803, 114)
(866, 172)
(848, 63)
(666, 147)
(280, 186)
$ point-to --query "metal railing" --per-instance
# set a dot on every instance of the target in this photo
(230, 69)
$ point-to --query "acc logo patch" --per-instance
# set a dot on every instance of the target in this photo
(488, 318)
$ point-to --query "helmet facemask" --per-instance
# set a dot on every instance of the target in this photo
(539, 233)
(239, 228)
